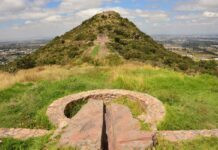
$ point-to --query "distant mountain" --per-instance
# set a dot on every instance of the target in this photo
(108, 39)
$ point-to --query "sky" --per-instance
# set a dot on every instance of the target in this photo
(39, 19)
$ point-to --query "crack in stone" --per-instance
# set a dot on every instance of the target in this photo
(104, 138)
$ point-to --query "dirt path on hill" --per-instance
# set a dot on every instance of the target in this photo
(102, 40)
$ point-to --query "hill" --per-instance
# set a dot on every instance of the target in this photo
(108, 39)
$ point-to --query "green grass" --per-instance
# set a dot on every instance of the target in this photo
(95, 51)
(190, 101)
(135, 108)
(42, 143)
(197, 144)
(27, 108)
(30, 144)
(39, 143)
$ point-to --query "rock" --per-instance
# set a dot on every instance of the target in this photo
(123, 130)
(84, 131)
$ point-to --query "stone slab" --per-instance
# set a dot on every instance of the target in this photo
(84, 130)
(123, 130)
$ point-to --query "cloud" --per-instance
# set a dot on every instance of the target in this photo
(197, 5)
(12, 5)
(210, 14)
(154, 16)
(72, 5)
(33, 18)
(54, 18)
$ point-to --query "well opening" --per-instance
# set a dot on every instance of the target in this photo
(73, 107)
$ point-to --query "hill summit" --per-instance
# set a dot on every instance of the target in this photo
(107, 38)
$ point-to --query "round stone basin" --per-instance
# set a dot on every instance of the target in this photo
(58, 111)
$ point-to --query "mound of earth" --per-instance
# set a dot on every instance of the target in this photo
(108, 38)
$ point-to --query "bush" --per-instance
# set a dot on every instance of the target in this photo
(183, 66)
(208, 64)
(113, 59)
(117, 39)
(121, 32)
(26, 62)
(131, 54)
(80, 37)
(73, 52)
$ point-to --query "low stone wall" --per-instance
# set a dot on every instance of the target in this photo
(21, 133)
(155, 111)
(181, 135)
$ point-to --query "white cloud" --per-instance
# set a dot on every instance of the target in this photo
(12, 5)
(197, 5)
(210, 14)
(54, 18)
(36, 20)
(153, 16)
(156, 16)
(73, 5)
(209, 3)
(28, 22)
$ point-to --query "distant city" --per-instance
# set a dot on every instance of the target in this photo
(12, 50)
(203, 47)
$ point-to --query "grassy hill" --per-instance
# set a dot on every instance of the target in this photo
(108, 39)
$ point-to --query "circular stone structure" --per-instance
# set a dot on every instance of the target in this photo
(154, 108)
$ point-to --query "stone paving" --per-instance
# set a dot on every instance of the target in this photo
(20, 133)
(123, 131)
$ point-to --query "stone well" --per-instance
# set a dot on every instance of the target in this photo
(154, 108)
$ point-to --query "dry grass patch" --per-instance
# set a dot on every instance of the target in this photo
(36, 74)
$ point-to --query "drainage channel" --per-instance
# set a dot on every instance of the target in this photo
(104, 137)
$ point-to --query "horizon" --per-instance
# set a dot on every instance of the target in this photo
(152, 35)
(23, 20)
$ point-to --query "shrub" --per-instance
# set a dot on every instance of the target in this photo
(26, 62)
(183, 66)
(113, 59)
(80, 37)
